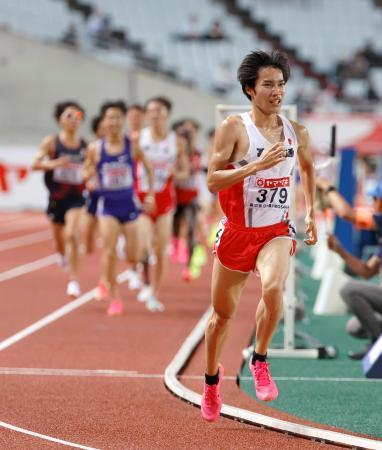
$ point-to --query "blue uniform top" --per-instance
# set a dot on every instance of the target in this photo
(116, 173)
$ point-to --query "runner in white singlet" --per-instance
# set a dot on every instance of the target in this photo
(251, 167)
(166, 153)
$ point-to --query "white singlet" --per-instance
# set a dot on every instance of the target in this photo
(262, 199)
(162, 156)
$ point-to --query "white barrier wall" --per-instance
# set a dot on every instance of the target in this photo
(34, 76)
(20, 188)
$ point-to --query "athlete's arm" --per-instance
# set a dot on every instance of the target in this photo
(44, 158)
(308, 175)
(226, 140)
(140, 156)
(340, 206)
(149, 200)
(365, 269)
(90, 164)
(182, 169)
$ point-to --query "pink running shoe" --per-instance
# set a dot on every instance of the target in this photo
(102, 292)
(174, 249)
(182, 253)
(115, 308)
(211, 400)
(186, 275)
(266, 389)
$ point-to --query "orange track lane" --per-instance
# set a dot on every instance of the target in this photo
(121, 412)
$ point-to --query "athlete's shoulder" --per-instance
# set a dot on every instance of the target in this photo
(145, 133)
(299, 128)
(48, 144)
(94, 147)
(301, 131)
(49, 140)
(232, 123)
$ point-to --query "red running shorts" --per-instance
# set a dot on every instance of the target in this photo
(237, 247)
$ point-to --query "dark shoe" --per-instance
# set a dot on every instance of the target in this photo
(360, 354)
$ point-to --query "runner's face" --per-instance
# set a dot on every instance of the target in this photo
(114, 121)
(134, 119)
(156, 114)
(269, 90)
(71, 119)
(190, 127)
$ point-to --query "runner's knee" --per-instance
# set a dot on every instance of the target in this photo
(272, 290)
(70, 235)
(219, 320)
(109, 251)
(224, 314)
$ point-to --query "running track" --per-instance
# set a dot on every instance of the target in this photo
(89, 381)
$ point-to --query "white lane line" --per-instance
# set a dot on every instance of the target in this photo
(322, 379)
(29, 267)
(22, 225)
(26, 239)
(66, 309)
(134, 374)
(177, 388)
(6, 218)
(37, 326)
(43, 436)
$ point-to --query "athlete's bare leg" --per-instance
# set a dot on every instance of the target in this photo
(162, 233)
(58, 234)
(109, 229)
(226, 288)
(90, 232)
(273, 264)
(134, 241)
(71, 236)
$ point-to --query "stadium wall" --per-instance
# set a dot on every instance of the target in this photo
(34, 76)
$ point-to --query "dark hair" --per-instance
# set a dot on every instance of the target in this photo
(248, 71)
(117, 104)
(136, 106)
(179, 123)
(176, 125)
(162, 100)
(60, 108)
(194, 122)
(95, 123)
(211, 132)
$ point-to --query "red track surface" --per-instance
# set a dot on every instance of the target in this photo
(121, 412)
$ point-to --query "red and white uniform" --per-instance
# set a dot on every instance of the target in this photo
(187, 190)
(162, 156)
(257, 208)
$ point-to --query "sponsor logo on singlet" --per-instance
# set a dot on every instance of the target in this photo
(272, 182)
(116, 175)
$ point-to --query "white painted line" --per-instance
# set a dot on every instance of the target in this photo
(43, 436)
(29, 267)
(174, 385)
(6, 218)
(66, 309)
(26, 239)
(22, 225)
(76, 372)
(134, 374)
(321, 379)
